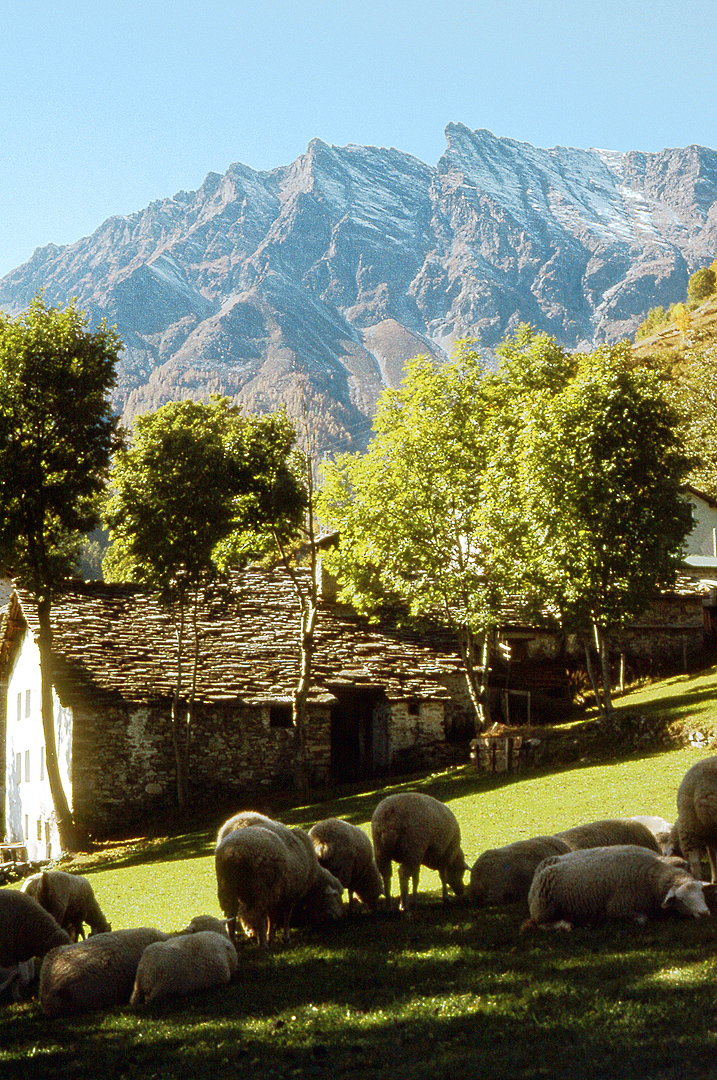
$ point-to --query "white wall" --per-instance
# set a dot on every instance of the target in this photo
(28, 802)
(703, 538)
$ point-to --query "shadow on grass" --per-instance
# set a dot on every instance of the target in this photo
(445, 992)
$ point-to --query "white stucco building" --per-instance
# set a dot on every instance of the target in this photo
(29, 814)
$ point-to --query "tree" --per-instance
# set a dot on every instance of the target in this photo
(188, 496)
(57, 434)
(693, 393)
(410, 512)
(599, 470)
(701, 284)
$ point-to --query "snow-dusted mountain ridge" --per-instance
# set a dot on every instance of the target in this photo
(314, 282)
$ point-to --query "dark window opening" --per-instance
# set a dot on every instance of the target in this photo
(280, 716)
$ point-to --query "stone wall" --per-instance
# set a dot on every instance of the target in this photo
(123, 760)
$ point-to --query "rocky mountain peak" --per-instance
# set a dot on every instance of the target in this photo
(314, 282)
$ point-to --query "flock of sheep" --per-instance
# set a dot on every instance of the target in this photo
(270, 876)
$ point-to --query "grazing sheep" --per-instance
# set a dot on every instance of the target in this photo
(696, 825)
(321, 901)
(17, 978)
(503, 875)
(622, 881)
(263, 873)
(183, 965)
(346, 852)
(94, 974)
(26, 929)
(70, 900)
(608, 832)
(417, 830)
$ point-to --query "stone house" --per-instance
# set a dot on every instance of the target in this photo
(379, 702)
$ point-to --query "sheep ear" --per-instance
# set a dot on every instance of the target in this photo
(670, 898)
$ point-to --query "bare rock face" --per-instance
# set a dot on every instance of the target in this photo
(312, 284)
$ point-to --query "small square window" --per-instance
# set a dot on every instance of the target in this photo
(413, 707)
(280, 715)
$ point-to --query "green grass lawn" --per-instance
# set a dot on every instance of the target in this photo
(448, 991)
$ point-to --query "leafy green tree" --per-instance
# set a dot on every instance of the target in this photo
(600, 467)
(702, 284)
(409, 511)
(189, 495)
(693, 393)
(57, 434)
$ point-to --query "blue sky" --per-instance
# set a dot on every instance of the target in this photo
(105, 106)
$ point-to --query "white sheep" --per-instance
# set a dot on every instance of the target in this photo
(69, 899)
(26, 931)
(622, 881)
(347, 852)
(503, 875)
(417, 830)
(93, 974)
(609, 831)
(205, 922)
(320, 901)
(183, 965)
(264, 873)
(696, 825)
(660, 829)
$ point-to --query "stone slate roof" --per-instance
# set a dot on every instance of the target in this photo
(116, 640)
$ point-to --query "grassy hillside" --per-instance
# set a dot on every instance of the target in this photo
(669, 339)
(449, 990)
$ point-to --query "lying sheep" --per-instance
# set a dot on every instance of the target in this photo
(346, 852)
(417, 830)
(183, 965)
(69, 899)
(622, 881)
(26, 929)
(321, 901)
(204, 922)
(661, 830)
(696, 825)
(503, 875)
(94, 974)
(608, 832)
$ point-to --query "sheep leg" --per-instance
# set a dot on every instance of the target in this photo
(406, 874)
(384, 870)
(712, 856)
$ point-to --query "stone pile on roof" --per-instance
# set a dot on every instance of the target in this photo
(117, 640)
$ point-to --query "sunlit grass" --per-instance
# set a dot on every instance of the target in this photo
(448, 991)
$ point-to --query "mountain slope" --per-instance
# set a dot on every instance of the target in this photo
(311, 284)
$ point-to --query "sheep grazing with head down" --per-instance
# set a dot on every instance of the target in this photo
(347, 853)
(183, 965)
(319, 901)
(660, 829)
(265, 871)
(609, 831)
(416, 830)
(69, 899)
(696, 825)
(503, 875)
(622, 881)
(94, 974)
(26, 931)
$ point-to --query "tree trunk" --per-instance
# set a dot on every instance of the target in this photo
(177, 740)
(591, 674)
(69, 837)
(604, 653)
(477, 689)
